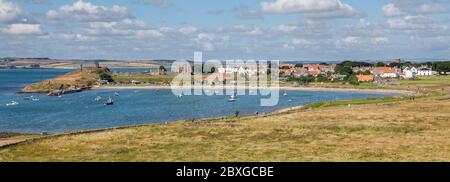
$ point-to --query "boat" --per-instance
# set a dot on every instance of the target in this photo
(116, 94)
(35, 99)
(181, 95)
(12, 103)
(98, 98)
(232, 98)
(109, 102)
(285, 94)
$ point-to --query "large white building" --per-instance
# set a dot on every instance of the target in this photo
(425, 72)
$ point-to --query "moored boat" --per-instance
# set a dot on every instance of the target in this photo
(12, 103)
(109, 102)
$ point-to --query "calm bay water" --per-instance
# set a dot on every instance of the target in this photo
(80, 111)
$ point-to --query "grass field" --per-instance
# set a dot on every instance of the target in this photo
(144, 78)
(390, 129)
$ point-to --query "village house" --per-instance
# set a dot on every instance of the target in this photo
(385, 72)
(328, 69)
(313, 69)
(362, 69)
(300, 71)
(287, 69)
(365, 78)
(409, 72)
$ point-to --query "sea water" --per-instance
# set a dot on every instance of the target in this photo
(80, 111)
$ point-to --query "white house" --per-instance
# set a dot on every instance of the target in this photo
(409, 72)
(425, 72)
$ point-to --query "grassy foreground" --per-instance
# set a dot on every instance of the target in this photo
(384, 130)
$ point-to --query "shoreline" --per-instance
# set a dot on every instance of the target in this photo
(401, 92)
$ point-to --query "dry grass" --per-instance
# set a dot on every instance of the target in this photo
(405, 131)
(76, 78)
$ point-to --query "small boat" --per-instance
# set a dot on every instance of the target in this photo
(116, 94)
(109, 102)
(98, 98)
(285, 94)
(35, 99)
(232, 98)
(12, 103)
(181, 95)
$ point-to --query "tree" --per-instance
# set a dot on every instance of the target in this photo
(381, 64)
(442, 66)
(343, 70)
(367, 72)
(322, 78)
(353, 80)
(106, 76)
(162, 70)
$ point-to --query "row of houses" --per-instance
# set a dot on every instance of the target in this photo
(307, 69)
(392, 72)
(368, 73)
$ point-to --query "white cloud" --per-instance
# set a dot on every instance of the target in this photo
(88, 12)
(23, 29)
(255, 31)
(390, 10)
(380, 40)
(312, 8)
(351, 40)
(287, 28)
(206, 41)
(188, 30)
(300, 41)
(128, 28)
(77, 37)
(243, 30)
(11, 13)
(412, 23)
(157, 3)
(432, 9)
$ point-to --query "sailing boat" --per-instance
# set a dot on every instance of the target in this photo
(109, 102)
(232, 98)
(12, 103)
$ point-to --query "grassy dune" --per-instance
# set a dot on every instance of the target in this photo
(75, 78)
(392, 129)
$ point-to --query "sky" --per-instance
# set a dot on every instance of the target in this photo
(287, 30)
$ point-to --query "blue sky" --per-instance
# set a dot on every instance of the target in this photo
(313, 30)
